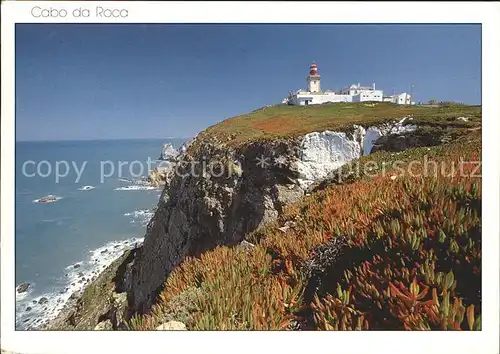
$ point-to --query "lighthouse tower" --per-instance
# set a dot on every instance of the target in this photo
(313, 79)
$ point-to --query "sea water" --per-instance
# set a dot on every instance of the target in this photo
(97, 213)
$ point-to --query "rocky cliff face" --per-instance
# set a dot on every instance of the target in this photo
(213, 196)
(216, 194)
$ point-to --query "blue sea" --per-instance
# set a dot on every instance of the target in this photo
(99, 210)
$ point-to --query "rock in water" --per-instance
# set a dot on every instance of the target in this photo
(168, 152)
(172, 326)
(43, 300)
(23, 288)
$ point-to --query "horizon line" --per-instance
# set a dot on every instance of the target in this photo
(98, 139)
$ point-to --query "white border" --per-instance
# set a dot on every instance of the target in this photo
(485, 341)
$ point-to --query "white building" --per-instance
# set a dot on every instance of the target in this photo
(353, 93)
(401, 98)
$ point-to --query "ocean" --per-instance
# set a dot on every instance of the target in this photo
(98, 210)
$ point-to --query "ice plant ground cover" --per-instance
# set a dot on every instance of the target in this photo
(386, 250)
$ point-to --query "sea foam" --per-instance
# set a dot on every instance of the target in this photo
(86, 188)
(30, 313)
(135, 188)
(142, 216)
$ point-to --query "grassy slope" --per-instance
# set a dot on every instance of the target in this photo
(383, 252)
(292, 121)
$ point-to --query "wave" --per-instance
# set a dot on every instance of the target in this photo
(143, 181)
(135, 188)
(126, 180)
(86, 188)
(143, 216)
(34, 310)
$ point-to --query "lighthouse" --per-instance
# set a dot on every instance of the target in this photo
(352, 93)
(313, 80)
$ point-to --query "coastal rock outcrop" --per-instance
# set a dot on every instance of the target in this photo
(168, 152)
(323, 152)
(233, 178)
(160, 175)
(216, 194)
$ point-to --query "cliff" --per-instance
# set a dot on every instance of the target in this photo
(205, 205)
(237, 178)
(259, 176)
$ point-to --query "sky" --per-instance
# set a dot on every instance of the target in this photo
(108, 81)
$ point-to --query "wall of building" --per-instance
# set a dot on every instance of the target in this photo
(403, 98)
(332, 98)
(300, 99)
(373, 95)
(306, 98)
(313, 84)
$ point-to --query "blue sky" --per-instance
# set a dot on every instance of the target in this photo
(97, 81)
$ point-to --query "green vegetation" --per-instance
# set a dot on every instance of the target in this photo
(283, 121)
